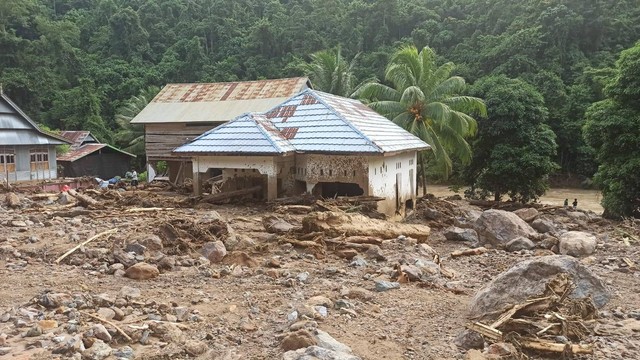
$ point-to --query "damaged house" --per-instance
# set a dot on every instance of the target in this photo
(181, 112)
(89, 157)
(26, 152)
(317, 143)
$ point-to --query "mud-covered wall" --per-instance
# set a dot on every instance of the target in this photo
(387, 172)
(332, 168)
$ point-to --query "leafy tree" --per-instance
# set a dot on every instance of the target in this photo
(427, 101)
(330, 72)
(514, 148)
(131, 136)
(613, 129)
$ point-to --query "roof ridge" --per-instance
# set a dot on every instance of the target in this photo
(33, 123)
(339, 115)
(240, 81)
(268, 136)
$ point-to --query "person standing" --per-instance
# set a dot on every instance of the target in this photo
(134, 178)
(566, 203)
(575, 204)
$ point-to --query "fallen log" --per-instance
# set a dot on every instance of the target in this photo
(467, 252)
(336, 224)
(85, 200)
(108, 232)
(222, 197)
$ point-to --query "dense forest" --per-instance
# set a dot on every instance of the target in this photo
(72, 64)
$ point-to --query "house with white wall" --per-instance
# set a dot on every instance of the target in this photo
(317, 143)
(26, 152)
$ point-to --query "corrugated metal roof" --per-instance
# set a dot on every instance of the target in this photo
(315, 122)
(217, 102)
(76, 137)
(247, 134)
(14, 130)
(87, 149)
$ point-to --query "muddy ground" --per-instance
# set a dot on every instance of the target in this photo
(243, 307)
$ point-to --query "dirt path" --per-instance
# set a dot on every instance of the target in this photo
(587, 199)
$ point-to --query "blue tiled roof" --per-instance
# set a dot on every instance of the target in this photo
(313, 122)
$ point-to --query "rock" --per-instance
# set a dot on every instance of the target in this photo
(303, 277)
(458, 234)
(382, 285)
(474, 354)
(328, 342)
(98, 351)
(167, 331)
(577, 243)
(119, 314)
(54, 300)
(358, 294)
(374, 252)
(543, 225)
(106, 313)
(320, 301)
(135, 248)
(520, 243)
(18, 223)
(149, 241)
(468, 339)
(317, 353)
(529, 278)
(358, 261)
(413, 272)
(4, 350)
(12, 200)
(64, 198)
(297, 340)
(47, 324)
(129, 292)
(142, 271)
(167, 263)
(195, 347)
(276, 225)
(124, 353)
(502, 349)
(347, 253)
(214, 251)
(578, 215)
(498, 227)
(100, 332)
(527, 214)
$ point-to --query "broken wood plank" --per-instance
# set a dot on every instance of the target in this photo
(108, 232)
(468, 252)
(133, 210)
(294, 209)
(509, 313)
(108, 323)
(629, 263)
(85, 200)
(545, 345)
(486, 331)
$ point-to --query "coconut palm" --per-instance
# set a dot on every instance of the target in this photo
(331, 73)
(131, 136)
(426, 100)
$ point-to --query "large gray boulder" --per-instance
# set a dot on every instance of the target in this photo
(527, 214)
(459, 234)
(498, 227)
(577, 243)
(529, 278)
(543, 225)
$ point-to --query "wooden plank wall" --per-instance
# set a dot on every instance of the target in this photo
(161, 139)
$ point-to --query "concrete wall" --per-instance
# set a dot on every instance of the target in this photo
(332, 168)
(387, 172)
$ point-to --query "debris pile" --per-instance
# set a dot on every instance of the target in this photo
(435, 212)
(552, 322)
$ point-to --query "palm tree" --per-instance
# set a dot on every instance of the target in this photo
(425, 100)
(331, 73)
(131, 136)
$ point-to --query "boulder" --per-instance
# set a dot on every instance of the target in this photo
(276, 225)
(529, 278)
(469, 339)
(459, 234)
(142, 271)
(12, 200)
(498, 227)
(543, 225)
(317, 353)
(214, 251)
(578, 215)
(577, 243)
(520, 243)
(298, 340)
(150, 241)
(527, 214)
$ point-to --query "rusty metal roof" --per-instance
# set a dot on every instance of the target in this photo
(217, 102)
(247, 134)
(87, 149)
(312, 122)
(78, 138)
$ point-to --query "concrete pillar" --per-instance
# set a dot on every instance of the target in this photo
(196, 177)
(272, 187)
